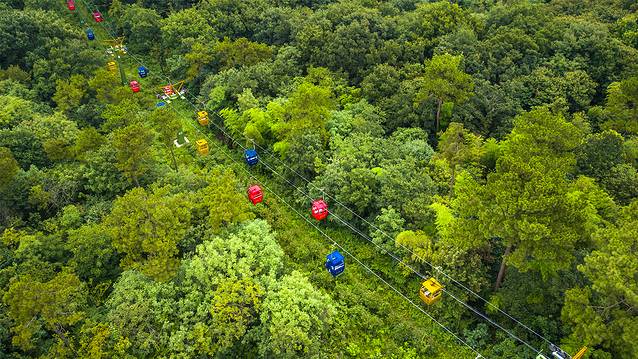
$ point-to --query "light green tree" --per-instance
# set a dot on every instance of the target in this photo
(9, 167)
(223, 286)
(70, 93)
(147, 227)
(296, 319)
(458, 146)
(225, 204)
(444, 81)
(307, 109)
(55, 306)
(139, 313)
(15, 110)
(601, 313)
(133, 150)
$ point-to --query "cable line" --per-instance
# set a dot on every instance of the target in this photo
(335, 243)
(438, 269)
(395, 257)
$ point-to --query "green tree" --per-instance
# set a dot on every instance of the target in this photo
(55, 305)
(102, 176)
(94, 257)
(167, 124)
(296, 319)
(444, 81)
(235, 309)
(200, 55)
(223, 286)
(601, 312)
(139, 315)
(57, 134)
(181, 29)
(627, 28)
(225, 204)
(528, 203)
(120, 114)
(70, 93)
(599, 153)
(147, 227)
(367, 174)
(621, 183)
(107, 87)
(26, 148)
(240, 52)
(141, 28)
(133, 150)
(458, 147)
(388, 225)
(8, 167)
(234, 19)
(622, 106)
(88, 141)
(307, 109)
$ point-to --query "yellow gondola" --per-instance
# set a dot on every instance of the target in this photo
(202, 118)
(111, 66)
(431, 291)
(202, 146)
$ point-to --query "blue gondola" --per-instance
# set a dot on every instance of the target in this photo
(142, 71)
(250, 156)
(89, 34)
(335, 263)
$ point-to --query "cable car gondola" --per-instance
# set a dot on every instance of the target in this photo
(250, 155)
(202, 146)
(70, 4)
(142, 71)
(319, 209)
(90, 34)
(431, 291)
(255, 194)
(335, 263)
(97, 16)
(202, 118)
(135, 86)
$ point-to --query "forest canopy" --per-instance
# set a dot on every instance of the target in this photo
(491, 145)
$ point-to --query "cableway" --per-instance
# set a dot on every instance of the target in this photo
(556, 351)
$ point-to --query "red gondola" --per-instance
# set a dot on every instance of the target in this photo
(319, 209)
(135, 86)
(255, 194)
(97, 16)
(70, 4)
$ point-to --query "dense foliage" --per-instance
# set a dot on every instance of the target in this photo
(496, 141)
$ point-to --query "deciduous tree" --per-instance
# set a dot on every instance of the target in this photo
(296, 319)
(444, 81)
(146, 227)
(55, 305)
